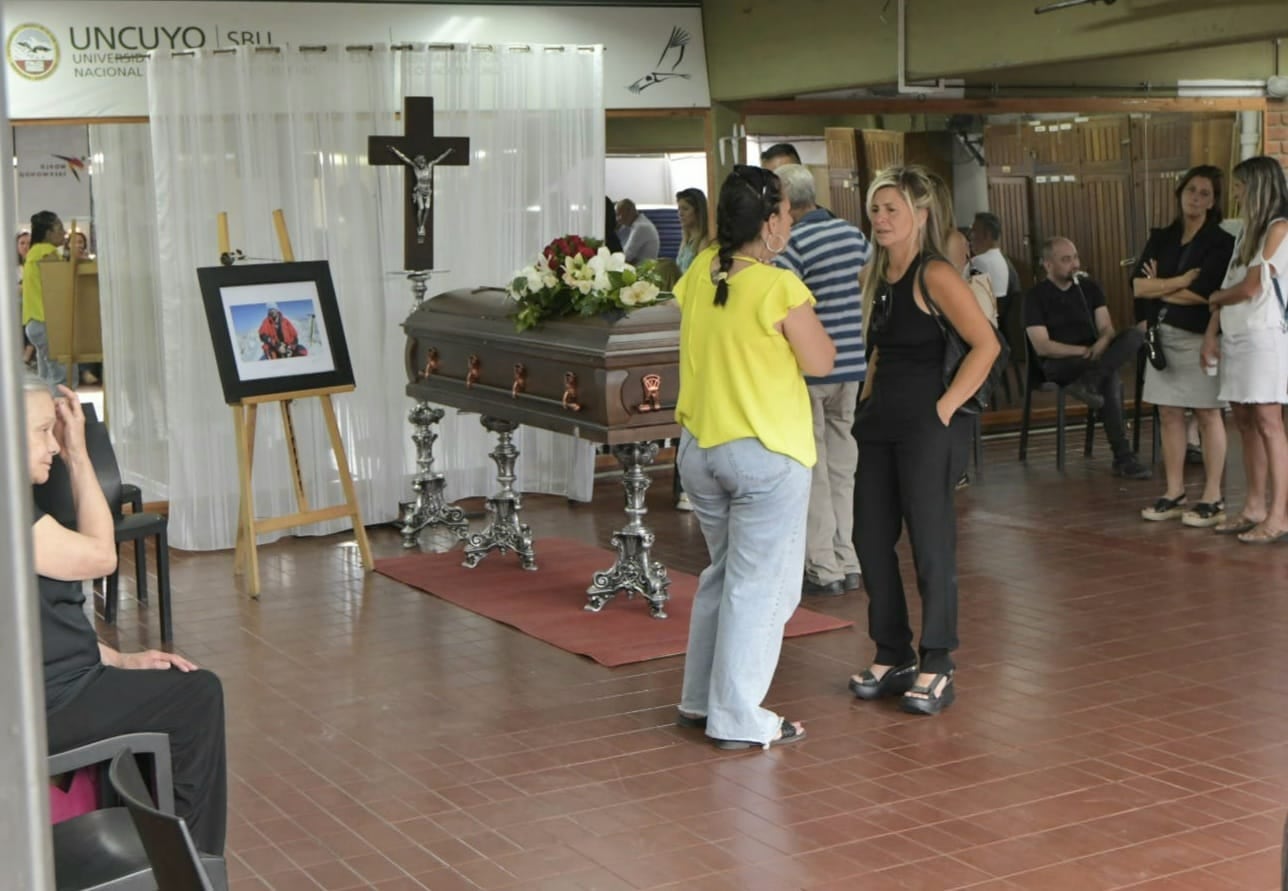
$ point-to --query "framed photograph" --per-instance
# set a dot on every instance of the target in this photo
(275, 328)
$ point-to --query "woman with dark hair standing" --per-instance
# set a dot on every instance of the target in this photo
(1251, 320)
(1182, 265)
(692, 204)
(47, 236)
(911, 439)
(24, 245)
(747, 335)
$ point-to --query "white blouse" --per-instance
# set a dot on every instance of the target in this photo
(1263, 311)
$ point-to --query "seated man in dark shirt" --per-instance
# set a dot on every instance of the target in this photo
(1069, 326)
(91, 691)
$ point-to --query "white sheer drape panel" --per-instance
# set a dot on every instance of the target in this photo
(247, 133)
(129, 285)
(535, 119)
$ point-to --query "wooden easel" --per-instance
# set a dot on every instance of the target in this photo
(245, 414)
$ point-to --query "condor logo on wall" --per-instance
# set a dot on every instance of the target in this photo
(32, 51)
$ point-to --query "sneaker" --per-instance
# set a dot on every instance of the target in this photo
(1205, 513)
(1080, 391)
(1132, 469)
(853, 581)
(1164, 509)
(1193, 454)
(963, 482)
(683, 502)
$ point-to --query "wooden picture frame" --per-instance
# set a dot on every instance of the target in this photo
(258, 353)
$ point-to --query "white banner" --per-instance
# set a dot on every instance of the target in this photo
(84, 59)
(53, 171)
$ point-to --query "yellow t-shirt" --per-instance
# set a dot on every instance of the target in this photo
(33, 295)
(738, 374)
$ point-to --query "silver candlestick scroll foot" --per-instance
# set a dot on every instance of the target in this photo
(633, 572)
(504, 531)
(430, 507)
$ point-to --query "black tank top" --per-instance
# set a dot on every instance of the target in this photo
(910, 341)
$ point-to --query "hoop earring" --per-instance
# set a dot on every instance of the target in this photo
(775, 250)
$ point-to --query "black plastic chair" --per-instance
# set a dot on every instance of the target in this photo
(176, 863)
(136, 527)
(101, 849)
(1034, 380)
(130, 493)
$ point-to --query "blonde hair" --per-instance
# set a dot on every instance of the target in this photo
(918, 187)
(1265, 199)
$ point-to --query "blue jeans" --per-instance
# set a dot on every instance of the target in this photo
(49, 370)
(751, 504)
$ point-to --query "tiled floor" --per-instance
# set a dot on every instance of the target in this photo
(1122, 721)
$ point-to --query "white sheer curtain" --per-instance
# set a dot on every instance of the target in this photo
(246, 132)
(535, 119)
(129, 277)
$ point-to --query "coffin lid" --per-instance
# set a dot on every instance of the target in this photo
(485, 312)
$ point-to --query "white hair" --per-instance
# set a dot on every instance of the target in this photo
(32, 383)
(798, 185)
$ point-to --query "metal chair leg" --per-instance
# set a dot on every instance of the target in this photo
(1025, 413)
(141, 569)
(163, 585)
(1059, 430)
(1091, 433)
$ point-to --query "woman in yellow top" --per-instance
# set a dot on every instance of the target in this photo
(747, 335)
(47, 237)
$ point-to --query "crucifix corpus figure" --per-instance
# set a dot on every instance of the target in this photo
(412, 151)
(422, 195)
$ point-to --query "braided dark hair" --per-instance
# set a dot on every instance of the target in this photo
(748, 197)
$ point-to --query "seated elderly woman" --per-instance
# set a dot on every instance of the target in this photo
(93, 692)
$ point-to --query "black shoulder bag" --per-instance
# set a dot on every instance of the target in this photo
(956, 348)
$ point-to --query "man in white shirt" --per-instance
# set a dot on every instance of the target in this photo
(640, 240)
(985, 233)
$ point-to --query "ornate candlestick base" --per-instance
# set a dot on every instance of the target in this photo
(430, 507)
(504, 531)
(633, 572)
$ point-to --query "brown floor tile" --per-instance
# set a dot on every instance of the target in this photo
(380, 737)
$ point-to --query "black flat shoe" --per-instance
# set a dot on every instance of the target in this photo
(691, 722)
(926, 703)
(894, 682)
(787, 734)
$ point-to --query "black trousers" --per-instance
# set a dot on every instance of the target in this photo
(187, 705)
(908, 465)
(1102, 375)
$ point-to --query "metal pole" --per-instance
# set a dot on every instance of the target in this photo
(24, 781)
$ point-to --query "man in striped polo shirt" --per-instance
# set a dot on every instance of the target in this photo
(828, 253)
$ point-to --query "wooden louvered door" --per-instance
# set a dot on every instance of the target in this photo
(845, 186)
(1105, 238)
(1008, 197)
(881, 149)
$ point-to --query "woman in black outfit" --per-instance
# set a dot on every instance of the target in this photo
(912, 444)
(1182, 265)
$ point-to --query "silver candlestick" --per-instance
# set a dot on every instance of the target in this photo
(634, 571)
(430, 507)
(504, 531)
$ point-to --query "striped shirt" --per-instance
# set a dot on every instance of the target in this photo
(827, 254)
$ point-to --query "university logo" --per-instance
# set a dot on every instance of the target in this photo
(32, 51)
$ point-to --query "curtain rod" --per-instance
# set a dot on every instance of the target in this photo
(398, 47)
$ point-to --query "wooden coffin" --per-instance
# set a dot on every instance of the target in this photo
(612, 381)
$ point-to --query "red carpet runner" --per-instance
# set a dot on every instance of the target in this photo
(547, 604)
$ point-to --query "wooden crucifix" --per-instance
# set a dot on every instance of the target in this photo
(419, 151)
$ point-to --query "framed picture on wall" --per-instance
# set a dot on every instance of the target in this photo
(275, 328)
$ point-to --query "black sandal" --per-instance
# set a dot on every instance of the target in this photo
(691, 722)
(788, 731)
(925, 702)
(895, 682)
